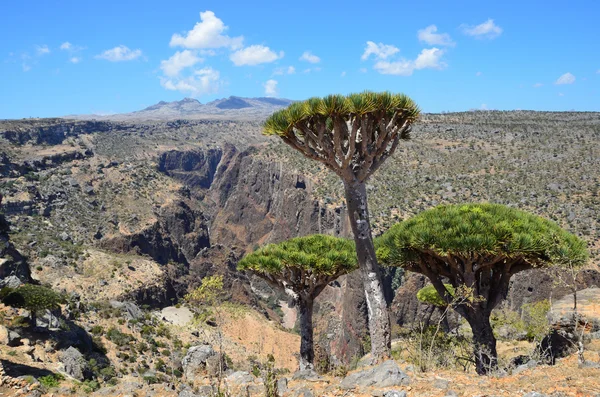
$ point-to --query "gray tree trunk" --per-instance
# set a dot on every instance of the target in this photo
(484, 343)
(307, 353)
(379, 320)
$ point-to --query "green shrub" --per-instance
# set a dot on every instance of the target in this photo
(50, 381)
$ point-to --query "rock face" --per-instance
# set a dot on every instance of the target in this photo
(179, 233)
(386, 374)
(12, 263)
(196, 360)
(54, 132)
(194, 168)
(74, 363)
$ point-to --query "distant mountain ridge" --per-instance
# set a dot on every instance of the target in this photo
(233, 107)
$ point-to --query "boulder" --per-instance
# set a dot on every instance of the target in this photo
(196, 360)
(394, 393)
(386, 374)
(74, 364)
(240, 378)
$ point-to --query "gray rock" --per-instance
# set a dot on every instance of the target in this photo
(451, 393)
(529, 364)
(307, 374)
(304, 392)
(240, 378)
(74, 363)
(188, 393)
(535, 394)
(10, 281)
(282, 386)
(64, 236)
(196, 359)
(394, 393)
(386, 374)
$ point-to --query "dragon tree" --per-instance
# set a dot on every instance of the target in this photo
(303, 267)
(477, 248)
(352, 136)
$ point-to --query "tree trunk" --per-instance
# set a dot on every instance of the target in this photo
(484, 343)
(307, 353)
(379, 321)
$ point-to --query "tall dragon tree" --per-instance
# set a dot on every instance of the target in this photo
(477, 248)
(353, 136)
(303, 267)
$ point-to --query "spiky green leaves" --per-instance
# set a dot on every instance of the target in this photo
(317, 254)
(485, 230)
(281, 122)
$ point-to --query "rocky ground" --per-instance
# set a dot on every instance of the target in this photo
(124, 218)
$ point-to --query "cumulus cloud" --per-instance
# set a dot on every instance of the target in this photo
(201, 82)
(381, 51)
(307, 56)
(120, 54)
(429, 58)
(486, 30)
(429, 36)
(254, 55)
(566, 78)
(75, 59)
(66, 46)
(270, 87)
(208, 33)
(179, 61)
(42, 50)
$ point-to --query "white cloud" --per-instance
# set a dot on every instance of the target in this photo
(478, 74)
(486, 30)
(427, 59)
(566, 78)
(343, 74)
(208, 33)
(75, 59)
(537, 85)
(254, 55)
(119, 54)
(66, 46)
(429, 36)
(282, 71)
(42, 50)
(179, 61)
(430, 59)
(270, 87)
(381, 51)
(307, 56)
(201, 82)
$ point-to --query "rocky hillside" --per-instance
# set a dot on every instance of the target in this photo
(125, 217)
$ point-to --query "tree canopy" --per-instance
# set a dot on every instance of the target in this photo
(318, 257)
(344, 131)
(484, 233)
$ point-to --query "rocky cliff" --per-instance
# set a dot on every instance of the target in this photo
(12, 263)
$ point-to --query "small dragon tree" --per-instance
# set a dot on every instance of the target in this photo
(32, 297)
(478, 247)
(303, 266)
(352, 136)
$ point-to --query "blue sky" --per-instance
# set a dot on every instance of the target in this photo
(74, 57)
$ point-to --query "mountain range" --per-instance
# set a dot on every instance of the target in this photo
(231, 108)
